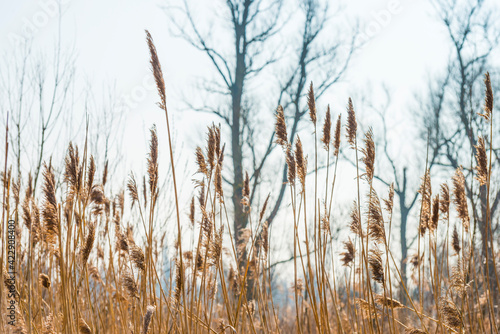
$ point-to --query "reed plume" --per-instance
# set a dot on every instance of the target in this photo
(153, 162)
(348, 256)
(44, 280)
(147, 318)
(355, 224)
(311, 103)
(49, 211)
(460, 198)
(327, 128)
(83, 327)
(425, 191)
(128, 283)
(376, 227)
(376, 267)
(455, 242)
(488, 100)
(336, 137)
(137, 257)
(369, 155)
(280, 128)
(290, 161)
(435, 214)
(387, 302)
(87, 244)
(444, 204)
(352, 125)
(132, 189)
(389, 202)
(157, 72)
(200, 161)
(301, 162)
(482, 162)
(450, 313)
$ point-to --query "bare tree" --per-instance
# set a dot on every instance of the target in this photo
(37, 92)
(326, 63)
(255, 25)
(397, 172)
(454, 128)
(252, 23)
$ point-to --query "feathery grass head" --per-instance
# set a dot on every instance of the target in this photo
(348, 256)
(482, 161)
(73, 172)
(458, 279)
(211, 143)
(488, 100)
(157, 72)
(128, 283)
(387, 302)
(192, 212)
(83, 327)
(246, 186)
(147, 318)
(105, 174)
(311, 103)
(90, 174)
(280, 128)
(433, 223)
(44, 280)
(290, 161)
(327, 129)
(444, 203)
(369, 155)
(200, 161)
(336, 137)
(376, 266)
(355, 224)
(460, 198)
(455, 241)
(450, 313)
(178, 282)
(132, 189)
(87, 244)
(389, 202)
(49, 210)
(153, 162)
(218, 182)
(48, 324)
(301, 162)
(376, 227)
(137, 257)
(365, 306)
(215, 248)
(425, 191)
(352, 125)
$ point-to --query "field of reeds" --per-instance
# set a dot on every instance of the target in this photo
(73, 261)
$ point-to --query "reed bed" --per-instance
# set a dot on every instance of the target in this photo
(82, 266)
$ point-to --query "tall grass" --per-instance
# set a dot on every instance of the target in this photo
(83, 267)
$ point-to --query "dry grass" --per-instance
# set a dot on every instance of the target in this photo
(80, 268)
